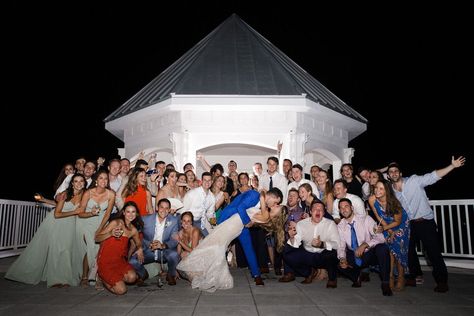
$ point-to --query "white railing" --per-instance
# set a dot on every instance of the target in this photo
(455, 219)
(18, 223)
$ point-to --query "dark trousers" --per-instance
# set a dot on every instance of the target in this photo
(379, 254)
(427, 232)
(259, 243)
(278, 259)
(170, 256)
(240, 255)
(300, 262)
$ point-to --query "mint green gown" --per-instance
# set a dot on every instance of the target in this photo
(49, 255)
(85, 235)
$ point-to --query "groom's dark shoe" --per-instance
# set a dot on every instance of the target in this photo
(259, 281)
(141, 281)
(171, 279)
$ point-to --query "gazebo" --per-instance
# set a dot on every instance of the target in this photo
(234, 95)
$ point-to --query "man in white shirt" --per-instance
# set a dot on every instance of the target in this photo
(201, 202)
(258, 169)
(320, 239)
(297, 173)
(273, 179)
(340, 192)
(88, 171)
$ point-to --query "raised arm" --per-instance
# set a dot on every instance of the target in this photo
(455, 163)
(203, 161)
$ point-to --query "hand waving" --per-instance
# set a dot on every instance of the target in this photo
(458, 162)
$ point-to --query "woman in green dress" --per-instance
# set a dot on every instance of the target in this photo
(49, 256)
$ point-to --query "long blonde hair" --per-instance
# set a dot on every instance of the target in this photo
(276, 225)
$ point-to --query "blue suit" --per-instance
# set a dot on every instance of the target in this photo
(170, 255)
(239, 206)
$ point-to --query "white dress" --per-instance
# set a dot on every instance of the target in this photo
(206, 266)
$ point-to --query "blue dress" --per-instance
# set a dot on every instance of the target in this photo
(399, 246)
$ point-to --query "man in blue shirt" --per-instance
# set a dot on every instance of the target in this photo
(411, 193)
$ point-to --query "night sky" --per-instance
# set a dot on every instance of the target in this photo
(81, 63)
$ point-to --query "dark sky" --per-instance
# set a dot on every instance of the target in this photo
(80, 63)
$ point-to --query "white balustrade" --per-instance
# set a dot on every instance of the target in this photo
(18, 223)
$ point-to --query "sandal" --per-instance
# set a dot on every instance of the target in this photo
(99, 286)
(84, 283)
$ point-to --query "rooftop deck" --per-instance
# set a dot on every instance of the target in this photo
(244, 299)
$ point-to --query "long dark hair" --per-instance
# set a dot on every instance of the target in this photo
(393, 204)
(137, 222)
(62, 175)
(276, 225)
(70, 188)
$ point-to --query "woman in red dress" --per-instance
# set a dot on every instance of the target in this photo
(113, 267)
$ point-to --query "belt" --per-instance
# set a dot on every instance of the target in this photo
(421, 219)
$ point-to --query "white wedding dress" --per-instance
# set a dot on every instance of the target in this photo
(206, 266)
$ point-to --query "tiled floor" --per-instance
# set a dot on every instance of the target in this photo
(290, 299)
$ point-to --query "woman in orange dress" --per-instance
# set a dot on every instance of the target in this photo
(136, 191)
(113, 267)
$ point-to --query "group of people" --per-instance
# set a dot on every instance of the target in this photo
(109, 223)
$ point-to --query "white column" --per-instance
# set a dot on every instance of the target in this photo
(121, 152)
(336, 169)
(179, 146)
(348, 153)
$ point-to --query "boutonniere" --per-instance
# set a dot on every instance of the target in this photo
(167, 223)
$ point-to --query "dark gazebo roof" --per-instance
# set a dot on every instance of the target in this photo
(234, 59)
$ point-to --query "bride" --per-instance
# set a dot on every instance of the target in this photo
(206, 266)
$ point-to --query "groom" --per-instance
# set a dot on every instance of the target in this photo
(240, 205)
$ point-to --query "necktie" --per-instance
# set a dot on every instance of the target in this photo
(271, 183)
(355, 244)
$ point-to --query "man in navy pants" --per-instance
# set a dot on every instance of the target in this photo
(240, 205)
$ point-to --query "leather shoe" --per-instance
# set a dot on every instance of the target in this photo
(410, 282)
(171, 279)
(264, 270)
(141, 281)
(259, 281)
(357, 283)
(307, 280)
(331, 284)
(288, 277)
(386, 290)
(442, 287)
(364, 277)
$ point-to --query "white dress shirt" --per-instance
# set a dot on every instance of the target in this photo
(279, 181)
(159, 229)
(200, 203)
(296, 185)
(306, 230)
(357, 204)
